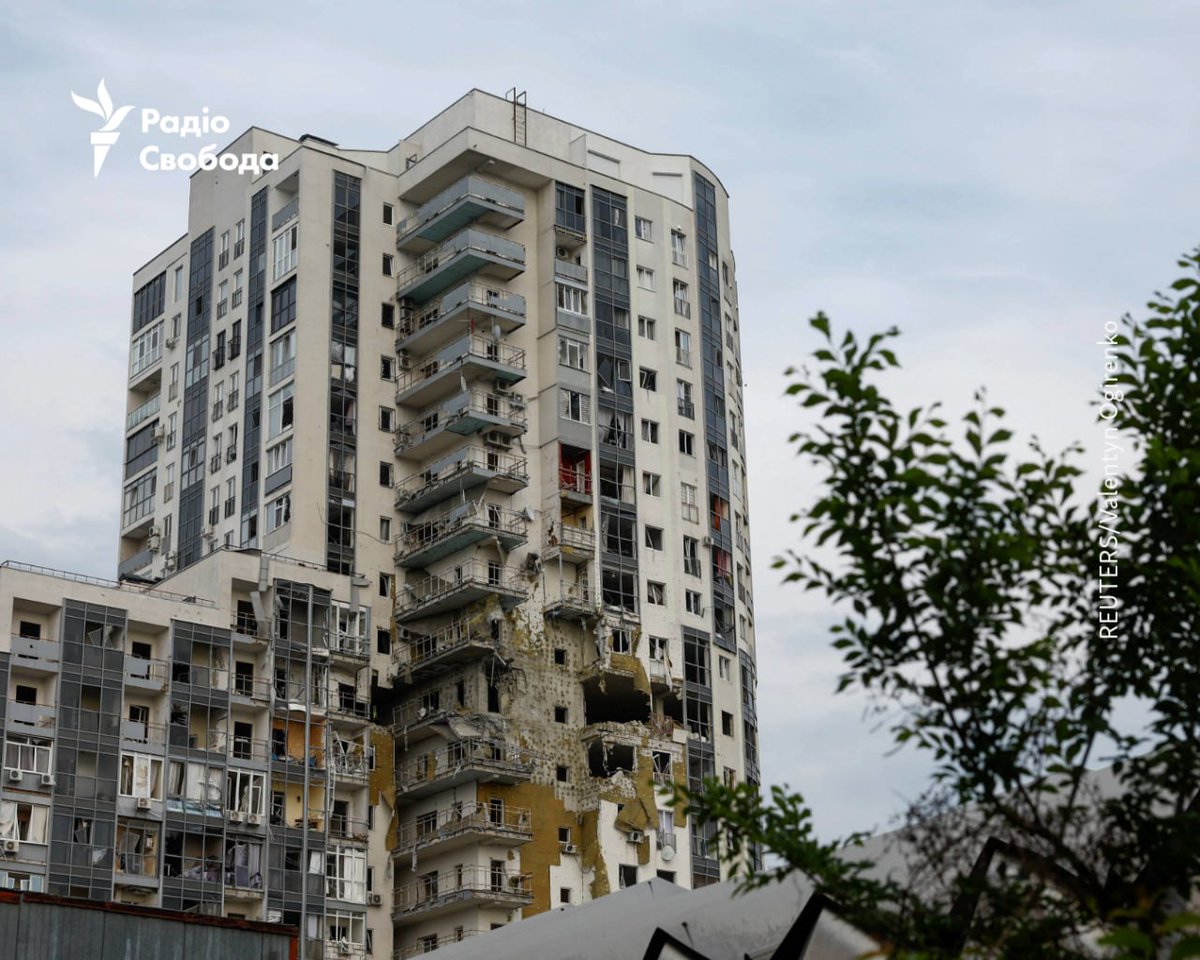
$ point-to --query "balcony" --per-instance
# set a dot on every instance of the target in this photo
(570, 543)
(571, 271)
(34, 655)
(460, 762)
(661, 680)
(454, 828)
(472, 199)
(471, 886)
(141, 674)
(347, 646)
(424, 329)
(349, 764)
(432, 538)
(465, 470)
(42, 716)
(466, 253)
(464, 584)
(348, 708)
(250, 690)
(468, 358)
(426, 655)
(420, 948)
(466, 414)
(142, 735)
(575, 483)
(414, 719)
(250, 749)
(576, 602)
(347, 828)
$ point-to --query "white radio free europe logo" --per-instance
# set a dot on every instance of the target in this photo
(104, 138)
(152, 157)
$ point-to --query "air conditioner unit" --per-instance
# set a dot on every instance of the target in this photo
(706, 541)
(254, 820)
(636, 836)
(497, 439)
(159, 431)
(562, 253)
(170, 342)
(517, 400)
(12, 846)
(47, 779)
(569, 848)
(503, 387)
(143, 803)
(155, 530)
(374, 899)
(403, 360)
(209, 533)
(236, 816)
(14, 774)
(154, 543)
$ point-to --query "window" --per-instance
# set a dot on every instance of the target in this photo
(139, 499)
(284, 251)
(572, 353)
(346, 874)
(659, 647)
(564, 894)
(678, 249)
(387, 315)
(691, 556)
(654, 538)
(387, 264)
(644, 228)
(386, 475)
(628, 875)
(688, 499)
(560, 656)
(726, 723)
(387, 213)
(283, 357)
(645, 278)
(561, 774)
(387, 418)
(619, 640)
(572, 299)
(239, 238)
(647, 378)
(574, 406)
(616, 428)
(27, 755)
(723, 667)
(23, 822)
(650, 431)
(385, 584)
(560, 714)
(239, 283)
(279, 512)
(169, 486)
(651, 484)
(279, 456)
(245, 791)
(387, 368)
(683, 348)
(687, 443)
(179, 285)
(385, 529)
(223, 297)
(682, 306)
(694, 602)
(279, 412)
(646, 327)
(656, 593)
(683, 400)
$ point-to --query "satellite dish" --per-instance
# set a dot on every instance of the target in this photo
(668, 854)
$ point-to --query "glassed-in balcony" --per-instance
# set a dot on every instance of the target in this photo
(420, 656)
(468, 252)
(470, 200)
(461, 416)
(464, 470)
(460, 762)
(477, 306)
(464, 824)
(468, 358)
(457, 587)
(432, 538)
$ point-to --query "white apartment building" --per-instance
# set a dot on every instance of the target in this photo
(483, 389)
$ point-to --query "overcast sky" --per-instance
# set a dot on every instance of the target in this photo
(996, 179)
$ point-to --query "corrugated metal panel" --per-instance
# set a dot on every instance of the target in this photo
(131, 938)
(9, 923)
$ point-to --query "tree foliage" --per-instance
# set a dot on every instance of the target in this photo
(1002, 609)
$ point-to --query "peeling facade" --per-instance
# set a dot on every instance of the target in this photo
(490, 378)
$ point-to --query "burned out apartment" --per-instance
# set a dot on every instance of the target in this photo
(434, 562)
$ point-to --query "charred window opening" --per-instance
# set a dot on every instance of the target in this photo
(605, 759)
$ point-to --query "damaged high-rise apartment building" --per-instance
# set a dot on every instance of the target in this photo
(434, 552)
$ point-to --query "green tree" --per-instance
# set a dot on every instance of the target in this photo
(1002, 609)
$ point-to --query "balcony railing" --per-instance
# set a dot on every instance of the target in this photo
(575, 480)
(148, 674)
(463, 415)
(347, 828)
(285, 213)
(470, 883)
(469, 301)
(349, 645)
(686, 408)
(573, 603)
(35, 653)
(415, 712)
(470, 356)
(434, 537)
(467, 200)
(429, 945)
(465, 583)
(513, 823)
(463, 761)
(456, 642)
(467, 252)
(144, 412)
(350, 766)
(135, 731)
(465, 469)
(250, 748)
